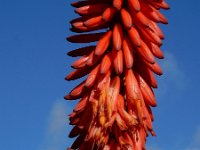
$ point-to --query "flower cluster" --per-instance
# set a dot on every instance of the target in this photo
(114, 110)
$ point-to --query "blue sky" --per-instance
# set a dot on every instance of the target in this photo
(33, 64)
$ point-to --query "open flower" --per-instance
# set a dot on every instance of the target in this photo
(114, 110)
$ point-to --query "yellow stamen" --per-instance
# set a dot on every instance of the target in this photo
(102, 120)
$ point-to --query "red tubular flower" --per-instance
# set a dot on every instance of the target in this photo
(114, 110)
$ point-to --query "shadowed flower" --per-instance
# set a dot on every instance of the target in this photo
(114, 110)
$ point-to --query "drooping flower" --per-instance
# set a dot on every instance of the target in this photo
(115, 99)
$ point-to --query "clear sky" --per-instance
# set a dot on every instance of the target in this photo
(33, 64)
